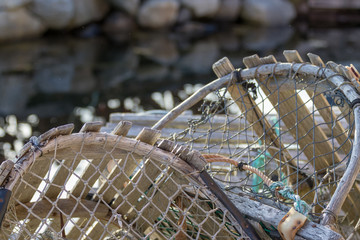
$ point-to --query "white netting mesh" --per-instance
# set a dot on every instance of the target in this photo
(102, 186)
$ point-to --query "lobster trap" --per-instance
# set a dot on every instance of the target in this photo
(267, 137)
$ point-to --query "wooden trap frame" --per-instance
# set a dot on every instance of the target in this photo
(270, 136)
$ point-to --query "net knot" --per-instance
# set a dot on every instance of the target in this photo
(276, 186)
(241, 165)
(288, 193)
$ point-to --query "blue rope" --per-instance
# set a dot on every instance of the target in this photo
(288, 193)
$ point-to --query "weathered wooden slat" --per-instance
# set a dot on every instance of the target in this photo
(252, 61)
(57, 131)
(5, 168)
(335, 127)
(149, 136)
(30, 182)
(39, 169)
(122, 128)
(61, 176)
(59, 180)
(206, 222)
(316, 60)
(164, 192)
(292, 56)
(332, 65)
(255, 118)
(54, 189)
(308, 132)
(239, 136)
(98, 231)
(221, 67)
(138, 185)
(344, 71)
(268, 59)
(91, 127)
(181, 122)
(90, 175)
(112, 185)
(144, 178)
(44, 207)
(76, 231)
(161, 199)
(302, 126)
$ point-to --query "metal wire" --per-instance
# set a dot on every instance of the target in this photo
(306, 157)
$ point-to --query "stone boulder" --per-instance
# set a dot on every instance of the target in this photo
(86, 11)
(129, 6)
(159, 48)
(158, 13)
(229, 10)
(184, 16)
(202, 8)
(200, 58)
(268, 12)
(264, 39)
(56, 14)
(12, 87)
(19, 23)
(119, 22)
(11, 4)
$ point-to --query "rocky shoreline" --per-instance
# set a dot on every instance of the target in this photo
(21, 19)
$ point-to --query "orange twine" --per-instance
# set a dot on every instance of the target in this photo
(210, 158)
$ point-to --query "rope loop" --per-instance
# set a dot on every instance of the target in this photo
(288, 193)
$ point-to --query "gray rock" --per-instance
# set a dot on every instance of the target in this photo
(129, 6)
(184, 16)
(84, 57)
(11, 4)
(202, 8)
(19, 23)
(55, 14)
(158, 13)
(200, 58)
(229, 42)
(123, 67)
(229, 10)
(152, 72)
(87, 11)
(266, 39)
(193, 28)
(54, 75)
(19, 57)
(268, 12)
(119, 22)
(12, 87)
(158, 48)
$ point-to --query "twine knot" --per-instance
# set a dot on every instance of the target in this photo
(288, 193)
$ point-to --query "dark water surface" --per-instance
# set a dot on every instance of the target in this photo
(61, 79)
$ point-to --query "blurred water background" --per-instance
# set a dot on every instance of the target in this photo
(83, 76)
